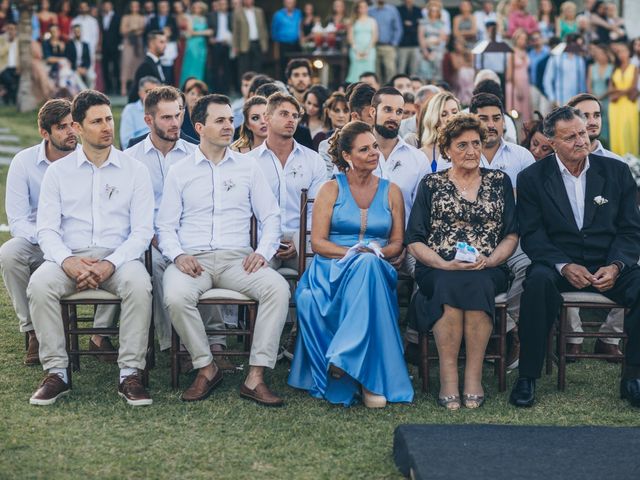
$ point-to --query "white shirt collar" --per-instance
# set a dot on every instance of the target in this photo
(153, 57)
(112, 159)
(42, 153)
(199, 156)
(297, 148)
(147, 145)
(599, 150)
(565, 171)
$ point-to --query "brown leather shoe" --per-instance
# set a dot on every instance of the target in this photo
(262, 395)
(32, 357)
(132, 390)
(105, 346)
(224, 362)
(50, 389)
(202, 387)
(608, 349)
(573, 349)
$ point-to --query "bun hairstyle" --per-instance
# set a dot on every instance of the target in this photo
(342, 141)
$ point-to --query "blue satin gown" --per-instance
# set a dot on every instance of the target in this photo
(348, 312)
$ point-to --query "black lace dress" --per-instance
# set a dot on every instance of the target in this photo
(440, 218)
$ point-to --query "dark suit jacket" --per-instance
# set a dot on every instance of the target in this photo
(212, 23)
(610, 232)
(111, 37)
(146, 69)
(154, 24)
(70, 53)
(183, 136)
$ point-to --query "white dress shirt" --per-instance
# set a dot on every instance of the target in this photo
(405, 167)
(253, 24)
(12, 57)
(600, 150)
(223, 34)
(158, 165)
(23, 190)
(208, 207)
(106, 20)
(576, 188)
(303, 169)
(83, 206)
(510, 158)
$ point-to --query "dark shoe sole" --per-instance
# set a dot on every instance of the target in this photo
(260, 402)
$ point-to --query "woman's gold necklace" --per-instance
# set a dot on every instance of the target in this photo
(463, 188)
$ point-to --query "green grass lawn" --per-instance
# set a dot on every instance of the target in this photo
(93, 434)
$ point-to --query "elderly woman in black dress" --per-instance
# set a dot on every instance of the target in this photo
(469, 204)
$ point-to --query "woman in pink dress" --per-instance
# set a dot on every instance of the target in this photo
(518, 97)
(183, 23)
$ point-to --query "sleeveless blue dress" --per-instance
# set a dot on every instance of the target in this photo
(348, 311)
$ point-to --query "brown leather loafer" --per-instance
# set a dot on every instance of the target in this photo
(608, 349)
(202, 387)
(132, 390)
(262, 395)
(32, 357)
(50, 389)
(105, 346)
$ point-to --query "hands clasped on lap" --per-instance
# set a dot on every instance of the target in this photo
(602, 280)
(88, 272)
(191, 266)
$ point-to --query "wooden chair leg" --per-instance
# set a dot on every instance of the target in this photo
(151, 347)
(562, 349)
(65, 325)
(253, 314)
(424, 361)
(175, 364)
(75, 343)
(550, 355)
(502, 362)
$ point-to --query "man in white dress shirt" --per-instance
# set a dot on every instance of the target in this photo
(95, 220)
(208, 200)
(591, 108)
(159, 151)
(21, 255)
(288, 167)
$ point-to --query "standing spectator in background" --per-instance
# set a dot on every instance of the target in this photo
(409, 51)
(567, 23)
(618, 31)
(340, 21)
(309, 20)
(194, 62)
(362, 38)
(110, 41)
(182, 21)
(635, 51)
(64, 20)
(285, 32)
(444, 13)
(623, 108)
(148, 12)
(163, 19)
(433, 38)
(132, 122)
(538, 50)
(219, 69)
(598, 78)
(9, 63)
(389, 35)
(565, 74)
(546, 20)
(250, 38)
(131, 29)
(77, 52)
(458, 69)
(314, 100)
(464, 24)
(167, 61)
(519, 17)
(151, 65)
(90, 34)
(46, 17)
(518, 95)
(486, 14)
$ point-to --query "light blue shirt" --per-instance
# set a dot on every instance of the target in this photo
(132, 122)
(564, 76)
(389, 23)
(285, 26)
(534, 60)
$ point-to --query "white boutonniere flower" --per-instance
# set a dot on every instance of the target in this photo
(228, 185)
(297, 170)
(600, 200)
(396, 165)
(110, 190)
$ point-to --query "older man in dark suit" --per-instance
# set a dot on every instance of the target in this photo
(580, 226)
(151, 66)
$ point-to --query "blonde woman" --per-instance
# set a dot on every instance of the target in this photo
(253, 131)
(566, 23)
(440, 109)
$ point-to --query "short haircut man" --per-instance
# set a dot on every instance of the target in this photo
(360, 101)
(95, 220)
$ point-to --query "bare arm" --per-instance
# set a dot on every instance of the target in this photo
(396, 201)
(321, 222)
(503, 251)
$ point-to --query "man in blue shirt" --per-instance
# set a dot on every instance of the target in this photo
(389, 35)
(132, 122)
(285, 31)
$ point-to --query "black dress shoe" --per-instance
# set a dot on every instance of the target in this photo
(523, 393)
(630, 390)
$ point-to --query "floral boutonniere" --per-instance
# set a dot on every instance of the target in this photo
(297, 170)
(501, 166)
(110, 190)
(228, 185)
(396, 165)
(600, 200)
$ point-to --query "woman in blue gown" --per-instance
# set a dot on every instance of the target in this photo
(349, 343)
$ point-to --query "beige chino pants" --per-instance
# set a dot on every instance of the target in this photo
(130, 282)
(223, 269)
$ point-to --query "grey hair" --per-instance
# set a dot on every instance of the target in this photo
(148, 79)
(486, 74)
(423, 91)
(565, 114)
